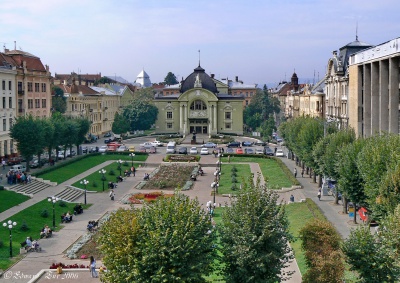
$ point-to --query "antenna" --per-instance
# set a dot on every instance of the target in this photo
(15, 45)
(199, 57)
(357, 31)
(314, 78)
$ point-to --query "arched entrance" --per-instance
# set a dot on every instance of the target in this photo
(198, 117)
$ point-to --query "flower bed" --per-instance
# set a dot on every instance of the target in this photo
(170, 177)
(140, 198)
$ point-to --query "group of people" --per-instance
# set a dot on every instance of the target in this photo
(218, 151)
(18, 177)
(46, 232)
(92, 225)
(30, 245)
(130, 172)
(66, 217)
(78, 209)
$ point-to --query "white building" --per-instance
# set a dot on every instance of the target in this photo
(143, 79)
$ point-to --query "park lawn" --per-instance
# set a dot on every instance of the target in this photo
(269, 167)
(69, 171)
(112, 172)
(35, 222)
(225, 184)
(9, 199)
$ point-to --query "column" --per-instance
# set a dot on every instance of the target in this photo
(215, 118)
(374, 97)
(367, 100)
(394, 95)
(383, 95)
(181, 118)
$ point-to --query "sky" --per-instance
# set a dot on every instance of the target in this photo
(260, 41)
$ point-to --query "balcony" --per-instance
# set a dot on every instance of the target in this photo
(105, 119)
(21, 92)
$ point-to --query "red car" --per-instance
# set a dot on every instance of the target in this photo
(14, 161)
(239, 151)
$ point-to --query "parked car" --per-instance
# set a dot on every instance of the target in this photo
(209, 145)
(279, 153)
(107, 135)
(108, 140)
(14, 160)
(122, 148)
(182, 150)
(103, 148)
(84, 149)
(193, 150)
(259, 151)
(19, 167)
(147, 144)
(157, 143)
(233, 144)
(239, 151)
(142, 149)
(261, 143)
(249, 151)
(247, 143)
(278, 139)
(268, 151)
(204, 151)
(153, 149)
(92, 149)
(34, 163)
(131, 148)
(229, 150)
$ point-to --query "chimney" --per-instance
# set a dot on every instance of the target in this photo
(236, 78)
(334, 53)
(212, 76)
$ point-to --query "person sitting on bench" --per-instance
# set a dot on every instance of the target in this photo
(46, 232)
(119, 179)
(67, 218)
(78, 209)
(193, 177)
(146, 177)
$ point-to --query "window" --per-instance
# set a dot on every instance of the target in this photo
(30, 103)
(247, 102)
(4, 85)
(43, 87)
(4, 102)
(169, 125)
(19, 87)
(10, 123)
(44, 103)
(198, 105)
(37, 103)
(9, 85)
(30, 87)
(251, 93)
(228, 115)
(37, 88)
(4, 125)
(10, 102)
(169, 115)
(227, 125)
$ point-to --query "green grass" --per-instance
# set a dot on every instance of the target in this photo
(35, 222)
(69, 171)
(225, 184)
(9, 199)
(95, 182)
(269, 168)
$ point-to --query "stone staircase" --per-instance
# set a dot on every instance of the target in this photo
(69, 194)
(34, 187)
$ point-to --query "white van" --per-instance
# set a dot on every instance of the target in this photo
(19, 167)
(171, 147)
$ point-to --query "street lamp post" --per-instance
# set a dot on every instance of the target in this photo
(9, 224)
(119, 166)
(103, 178)
(84, 183)
(53, 201)
(209, 208)
(132, 155)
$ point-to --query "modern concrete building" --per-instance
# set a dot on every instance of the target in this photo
(337, 82)
(374, 89)
(8, 107)
(201, 106)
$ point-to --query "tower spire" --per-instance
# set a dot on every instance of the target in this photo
(357, 31)
(199, 57)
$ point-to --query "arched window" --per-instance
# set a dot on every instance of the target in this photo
(198, 105)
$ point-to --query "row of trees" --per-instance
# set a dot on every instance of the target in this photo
(259, 114)
(35, 135)
(172, 240)
(367, 171)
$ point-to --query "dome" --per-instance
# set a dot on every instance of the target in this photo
(205, 80)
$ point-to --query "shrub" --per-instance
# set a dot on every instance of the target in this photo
(234, 180)
(94, 184)
(44, 213)
(234, 187)
(24, 226)
(111, 173)
(234, 174)
(234, 169)
(62, 203)
(1, 244)
(1, 188)
(126, 164)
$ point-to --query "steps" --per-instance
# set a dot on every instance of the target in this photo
(34, 187)
(69, 194)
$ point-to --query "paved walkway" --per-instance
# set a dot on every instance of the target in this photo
(53, 249)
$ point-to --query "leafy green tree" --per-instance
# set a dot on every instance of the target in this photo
(372, 256)
(48, 132)
(59, 124)
(69, 135)
(254, 237)
(59, 102)
(120, 124)
(28, 134)
(141, 115)
(268, 127)
(82, 128)
(324, 259)
(389, 191)
(166, 241)
(170, 79)
(144, 94)
(102, 80)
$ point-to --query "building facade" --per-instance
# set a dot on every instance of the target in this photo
(8, 107)
(374, 89)
(199, 107)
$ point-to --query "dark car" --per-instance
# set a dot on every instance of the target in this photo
(233, 144)
(249, 151)
(182, 150)
(34, 163)
(229, 150)
(14, 161)
(268, 151)
(247, 143)
(107, 135)
(108, 140)
(262, 143)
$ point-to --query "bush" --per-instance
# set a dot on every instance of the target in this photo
(24, 226)
(234, 169)
(62, 203)
(1, 188)
(94, 184)
(234, 174)
(126, 164)
(234, 187)
(1, 244)
(111, 173)
(234, 180)
(44, 213)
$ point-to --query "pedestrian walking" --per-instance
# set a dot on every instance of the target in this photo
(302, 172)
(93, 271)
(295, 172)
(291, 198)
(112, 194)
(3, 163)
(319, 194)
(133, 169)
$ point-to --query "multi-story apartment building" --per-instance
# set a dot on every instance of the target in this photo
(311, 100)
(32, 81)
(8, 106)
(374, 89)
(337, 82)
(78, 79)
